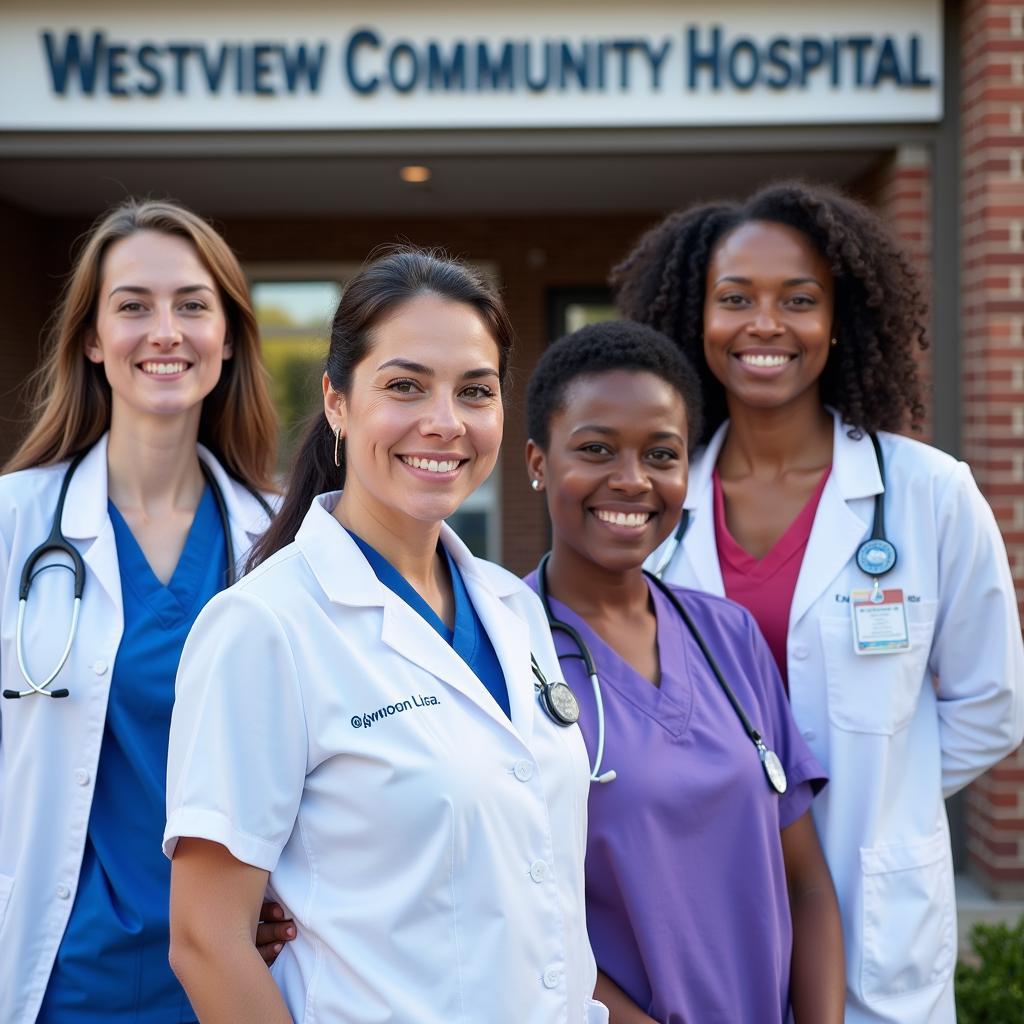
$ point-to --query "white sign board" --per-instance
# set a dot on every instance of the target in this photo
(455, 66)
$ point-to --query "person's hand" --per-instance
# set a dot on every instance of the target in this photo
(273, 931)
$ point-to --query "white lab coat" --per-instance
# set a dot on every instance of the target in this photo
(430, 849)
(49, 748)
(895, 732)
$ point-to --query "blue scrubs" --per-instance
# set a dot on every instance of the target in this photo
(469, 639)
(111, 967)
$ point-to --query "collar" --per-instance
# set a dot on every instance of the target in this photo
(85, 507)
(347, 578)
(854, 466)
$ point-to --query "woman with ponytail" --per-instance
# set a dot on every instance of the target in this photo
(422, 820)
(153, 412)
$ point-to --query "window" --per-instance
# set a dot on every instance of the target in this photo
(569, 309)
(294, 315)
(294, 307)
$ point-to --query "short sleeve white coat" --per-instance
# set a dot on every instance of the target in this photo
(49, 749)
(430, 849)
(895, 732)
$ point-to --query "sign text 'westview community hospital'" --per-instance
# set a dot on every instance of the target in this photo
(518, 65)
(88, 63)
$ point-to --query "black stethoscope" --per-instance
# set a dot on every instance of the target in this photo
(770, 762)
(57, 544)
(876, 556)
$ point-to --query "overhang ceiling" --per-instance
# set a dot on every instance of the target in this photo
(463, 184)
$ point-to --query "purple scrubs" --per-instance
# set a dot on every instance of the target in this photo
(687, 905)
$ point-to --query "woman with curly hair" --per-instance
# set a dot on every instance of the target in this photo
(871, 562)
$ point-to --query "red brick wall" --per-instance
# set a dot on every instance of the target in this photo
(901, 191)
(992, 346)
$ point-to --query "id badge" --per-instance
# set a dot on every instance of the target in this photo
(879, 622)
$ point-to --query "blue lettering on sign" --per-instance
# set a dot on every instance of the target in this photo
(704, 58)
(88, 63)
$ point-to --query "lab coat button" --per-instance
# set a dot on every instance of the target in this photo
(552, 976)
(809, 734)
(81, 777)
(63, 892)
(99, 667)
(539, 871)
(523, 771)
(799, 652)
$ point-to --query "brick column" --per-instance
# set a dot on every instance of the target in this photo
(901, 192)
(992, 346)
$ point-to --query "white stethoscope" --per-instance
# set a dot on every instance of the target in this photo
(876, 556)
(57, 543)
(773, 769)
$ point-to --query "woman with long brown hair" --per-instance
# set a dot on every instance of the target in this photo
(424, 815)
(148, 463)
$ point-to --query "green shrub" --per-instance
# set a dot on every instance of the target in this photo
(992, 992)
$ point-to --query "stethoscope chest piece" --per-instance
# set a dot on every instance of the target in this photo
(876, 556)
(561, 703)
(773, 769)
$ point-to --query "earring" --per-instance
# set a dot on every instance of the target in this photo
(834, 342)
(337, 445)
(535, 484)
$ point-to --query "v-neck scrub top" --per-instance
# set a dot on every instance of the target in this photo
(687, 904)
(765, 586)
(112, 964)
(428, 846)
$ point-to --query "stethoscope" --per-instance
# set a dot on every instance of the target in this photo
(57, 544)
(876, 556)
(770, 762)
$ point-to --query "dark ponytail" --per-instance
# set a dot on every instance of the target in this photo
(368, 298)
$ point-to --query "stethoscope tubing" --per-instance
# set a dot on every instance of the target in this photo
(556, 625)
(56, 542)
(583, 652)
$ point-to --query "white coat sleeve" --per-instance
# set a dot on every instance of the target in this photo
(977, 653)
(237, 758)
(5, 567)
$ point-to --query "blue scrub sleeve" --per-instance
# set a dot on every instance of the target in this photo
(805, 775)
(237, 759)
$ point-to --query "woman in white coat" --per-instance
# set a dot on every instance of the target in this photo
(905, 675)
(154, 393)
(423, 818)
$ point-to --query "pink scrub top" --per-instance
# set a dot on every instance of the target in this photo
(687, 906)
(765, 586)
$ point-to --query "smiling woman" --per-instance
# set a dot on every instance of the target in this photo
(153, 419)
(612, 411)
(425, 821)
(802, 316)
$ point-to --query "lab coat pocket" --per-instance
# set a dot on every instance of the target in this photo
(875, 693)
(6, 885)
(596, 1013)
(909, 939)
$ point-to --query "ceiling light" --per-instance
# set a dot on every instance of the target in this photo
(415, 174)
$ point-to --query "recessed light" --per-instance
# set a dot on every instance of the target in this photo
(415, 174)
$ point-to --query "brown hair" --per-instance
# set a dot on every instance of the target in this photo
(70, 399)
(368, 299)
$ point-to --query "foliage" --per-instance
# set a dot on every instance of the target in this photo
(992, 990)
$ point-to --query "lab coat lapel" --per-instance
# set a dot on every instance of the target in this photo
(406, 632)
(246, 516)
(86, 523)
(699, 546)
(842, 521)
(509, 634)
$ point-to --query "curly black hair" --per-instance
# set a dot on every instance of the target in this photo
(602, 348)
(871, 377)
